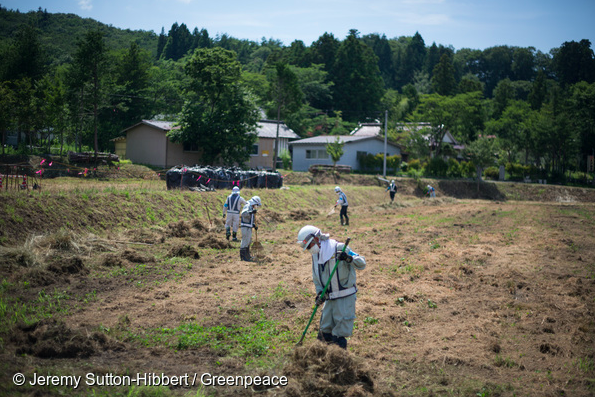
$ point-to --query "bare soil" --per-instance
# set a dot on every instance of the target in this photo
(460, 296)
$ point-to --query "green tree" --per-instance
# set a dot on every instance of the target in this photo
(314, 83)
(581, 115)
(482, 152)
(412, 61)
(335, 150)
(324, 50)
(132, 74)
(538, 91)
(6, 109)
(514, 129)
(358, 85)
(286, 97)
(443, 78)
(575, 62)
(26, 58)
(219, 115)
(90, 62)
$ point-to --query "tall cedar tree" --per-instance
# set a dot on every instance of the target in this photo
(90, 60)
(358, 85)
(286, 95)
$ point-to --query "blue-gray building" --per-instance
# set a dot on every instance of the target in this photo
(311, 151)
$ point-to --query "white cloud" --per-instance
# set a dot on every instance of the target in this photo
(85, 4)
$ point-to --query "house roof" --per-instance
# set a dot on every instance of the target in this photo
(268, 129)
(162, 125)
(367, 129)
(264, 129)
(347, 139)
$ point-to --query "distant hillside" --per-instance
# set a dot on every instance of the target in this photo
(59, 33)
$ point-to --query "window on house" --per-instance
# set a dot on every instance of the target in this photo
(317, 154)
(254, 151)
(190, 147)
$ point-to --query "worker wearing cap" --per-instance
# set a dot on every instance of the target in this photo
(232, 207)
(247, 223)
(431, 191)
(342, 201)
(392, 190)
(338, 313)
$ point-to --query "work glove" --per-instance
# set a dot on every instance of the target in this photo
(344, 257)
(223, 215)
(255, 227)
(319, 299)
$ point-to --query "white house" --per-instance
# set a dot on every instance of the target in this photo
(311, 151)
(377, 129)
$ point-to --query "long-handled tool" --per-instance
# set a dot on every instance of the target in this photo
(256, 245)
(323, 293)
(331, 211)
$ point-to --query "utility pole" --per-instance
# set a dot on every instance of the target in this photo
(385, 140)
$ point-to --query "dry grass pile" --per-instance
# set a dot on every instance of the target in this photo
(321, 370)
(214, 241)
(183, 251)
(49, 338)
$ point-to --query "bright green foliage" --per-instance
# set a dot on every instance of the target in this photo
(219, 115)
(335, 150)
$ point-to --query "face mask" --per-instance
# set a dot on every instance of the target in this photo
(315, 249)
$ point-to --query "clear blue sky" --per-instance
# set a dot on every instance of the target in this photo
(476, 24)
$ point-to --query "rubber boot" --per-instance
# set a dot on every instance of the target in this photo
(347, 222)
(245, 254)
(324, 337)
(227, 233)
(249, 258)
(235, 237)
(340, 341)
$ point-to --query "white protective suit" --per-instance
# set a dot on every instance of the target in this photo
(338, 314)
(233, 205)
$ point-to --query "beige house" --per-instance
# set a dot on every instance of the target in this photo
(147, 143)
(261, 156)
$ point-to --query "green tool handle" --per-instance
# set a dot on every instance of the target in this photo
(323, 292)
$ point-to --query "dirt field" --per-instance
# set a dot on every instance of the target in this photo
(460, 296)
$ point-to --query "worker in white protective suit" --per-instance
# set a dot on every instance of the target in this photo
(338, 313)
(232, 207)
(247, 223)
(342, 201)
(392, 190)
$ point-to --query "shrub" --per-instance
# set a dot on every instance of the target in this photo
(437, 167)
(454, 169)
(414, 164)
(491, 173)
(286, 159)
(468, 169)
(393, 163)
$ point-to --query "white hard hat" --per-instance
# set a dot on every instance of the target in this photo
(392, 181)
(337, 189)
(306, 234)
(256, 201)
(235, 189)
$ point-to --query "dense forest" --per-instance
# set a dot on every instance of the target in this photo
(71, 82)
